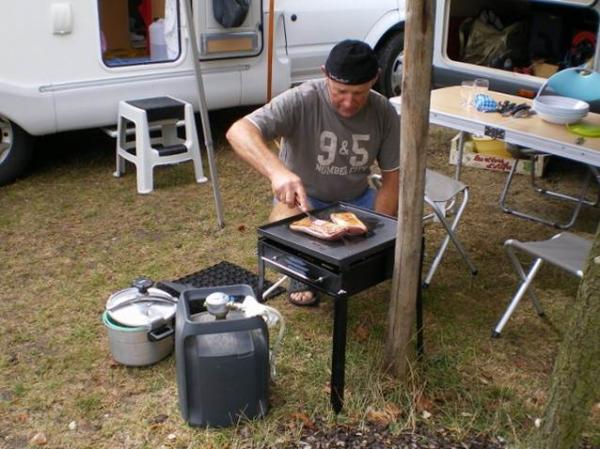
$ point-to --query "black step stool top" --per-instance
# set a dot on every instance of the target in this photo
(160, 108)
(170, 150)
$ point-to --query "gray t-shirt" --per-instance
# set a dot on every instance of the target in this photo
(331, 154)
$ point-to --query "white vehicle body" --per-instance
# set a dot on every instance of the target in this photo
(67, 64)
(563, 20)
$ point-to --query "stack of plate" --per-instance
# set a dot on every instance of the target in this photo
(560, 110)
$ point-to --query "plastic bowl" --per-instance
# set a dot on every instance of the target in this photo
(560, 119)
(553, 104)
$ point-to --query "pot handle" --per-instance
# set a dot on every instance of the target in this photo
(161, 333)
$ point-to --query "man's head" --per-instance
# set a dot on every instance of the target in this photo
(351, 69)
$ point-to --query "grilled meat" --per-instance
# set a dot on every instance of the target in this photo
(325, 230)
(349, 221)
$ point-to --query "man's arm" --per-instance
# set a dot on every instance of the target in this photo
(386, 201)
(248, 142)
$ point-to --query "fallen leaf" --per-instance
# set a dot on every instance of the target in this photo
(422, 403)
(306, 421)
(242, 228)
(39, 439)
(158, 419)
(112, 363)
(361, 333)
(383, 417)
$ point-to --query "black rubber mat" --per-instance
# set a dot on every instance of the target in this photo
(226, 273)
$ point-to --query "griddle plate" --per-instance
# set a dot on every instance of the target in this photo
(381, 234)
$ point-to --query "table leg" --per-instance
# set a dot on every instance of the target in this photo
(459, 155)
(338, 355)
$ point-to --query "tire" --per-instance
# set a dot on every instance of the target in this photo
(391, 58)
(16, 149)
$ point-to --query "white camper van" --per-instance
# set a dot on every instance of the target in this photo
(66, 64)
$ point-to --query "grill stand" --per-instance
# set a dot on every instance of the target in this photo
(340, 314)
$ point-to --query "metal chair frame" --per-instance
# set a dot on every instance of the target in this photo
(445, 196)
(579, 200)
(566, 251)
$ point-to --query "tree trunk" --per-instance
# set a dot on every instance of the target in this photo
(416, 84)
(575, 382)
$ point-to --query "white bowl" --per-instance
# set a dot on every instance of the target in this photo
(556, 104)
(560, 110)
(560, 119)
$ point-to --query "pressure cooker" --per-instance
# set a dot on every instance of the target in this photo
(139, 321)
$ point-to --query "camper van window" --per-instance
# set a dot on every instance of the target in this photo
(139, 31)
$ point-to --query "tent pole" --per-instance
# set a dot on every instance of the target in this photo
(270, 50)
(203, 109)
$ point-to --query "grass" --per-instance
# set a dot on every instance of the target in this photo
(72, 235)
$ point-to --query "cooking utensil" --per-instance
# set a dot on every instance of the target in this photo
(135, 346)
(139, 321)
(382, 233)
(141, 305)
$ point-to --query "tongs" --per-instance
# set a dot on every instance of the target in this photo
(307, 212)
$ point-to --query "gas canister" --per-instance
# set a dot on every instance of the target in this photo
(222, 358)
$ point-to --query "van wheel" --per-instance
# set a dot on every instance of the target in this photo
(391, 60)
(16, 148)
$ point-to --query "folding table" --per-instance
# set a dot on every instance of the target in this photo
(446, 109)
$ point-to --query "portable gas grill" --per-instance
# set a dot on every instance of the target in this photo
(337, 268)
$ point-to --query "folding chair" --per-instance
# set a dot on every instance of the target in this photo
(574, 83)
(441, 195)
(566, 251)
(578, 200)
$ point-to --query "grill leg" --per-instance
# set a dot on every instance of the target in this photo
(338, 355)
(261, 276)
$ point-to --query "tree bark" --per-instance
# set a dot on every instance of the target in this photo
(416, 84)
(575, 383)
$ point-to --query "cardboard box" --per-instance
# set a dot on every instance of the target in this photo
(544, 70)
(495, 163)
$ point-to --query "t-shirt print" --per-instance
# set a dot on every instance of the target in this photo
(340, 157)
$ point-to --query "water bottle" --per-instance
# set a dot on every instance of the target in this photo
(158, 45)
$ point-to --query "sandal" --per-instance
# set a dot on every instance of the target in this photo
(299, 287)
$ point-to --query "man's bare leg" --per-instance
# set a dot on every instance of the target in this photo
(281, 211)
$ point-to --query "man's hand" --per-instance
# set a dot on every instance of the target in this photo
(288, 189)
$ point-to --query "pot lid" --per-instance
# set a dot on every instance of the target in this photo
(141, 305)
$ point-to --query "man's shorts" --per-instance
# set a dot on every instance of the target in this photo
(366, 200)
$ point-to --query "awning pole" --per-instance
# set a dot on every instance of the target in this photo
(270, 50)
(203, 109)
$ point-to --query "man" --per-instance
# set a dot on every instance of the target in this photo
(332, 131)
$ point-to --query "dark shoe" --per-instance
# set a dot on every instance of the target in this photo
(299, 287)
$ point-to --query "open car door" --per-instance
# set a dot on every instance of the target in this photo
(228, 28)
